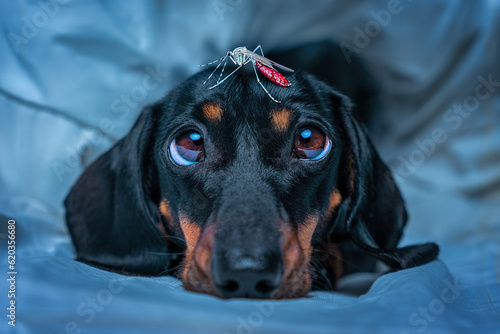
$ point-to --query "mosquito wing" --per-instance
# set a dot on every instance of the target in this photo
(267, 62)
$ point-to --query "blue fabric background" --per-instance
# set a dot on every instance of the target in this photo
(75, 74)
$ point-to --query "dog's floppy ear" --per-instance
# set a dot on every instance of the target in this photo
(373, 212)
(109, 211)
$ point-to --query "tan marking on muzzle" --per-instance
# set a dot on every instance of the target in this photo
(166, 211)
(191, 232)
(305, 233)
(296, 280)
(333, 201)
(196, 272)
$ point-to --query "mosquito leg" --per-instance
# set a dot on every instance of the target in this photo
(259, 48)
(225, 78)
(213, 62)
(222, 59)
(223, 67)
(261, 85)
(261, 51)
(247, 59)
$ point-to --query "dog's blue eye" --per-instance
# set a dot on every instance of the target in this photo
(187, 149)
(311, 144)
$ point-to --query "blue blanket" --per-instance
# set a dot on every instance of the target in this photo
(457, 294)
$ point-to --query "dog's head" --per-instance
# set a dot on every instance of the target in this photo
(245, 186)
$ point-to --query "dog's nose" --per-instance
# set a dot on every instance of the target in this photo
(239, 274)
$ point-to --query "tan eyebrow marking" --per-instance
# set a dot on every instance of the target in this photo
(212, 111)
(281, 119)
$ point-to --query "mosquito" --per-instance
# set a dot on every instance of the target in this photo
(242, 56)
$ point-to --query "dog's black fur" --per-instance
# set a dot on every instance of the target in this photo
(249, 187)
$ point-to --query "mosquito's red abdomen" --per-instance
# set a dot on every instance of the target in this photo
(273, 75)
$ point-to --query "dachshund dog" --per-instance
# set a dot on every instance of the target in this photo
(253, 195)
